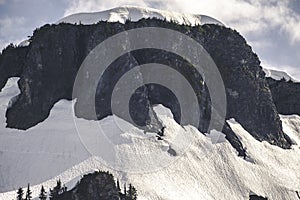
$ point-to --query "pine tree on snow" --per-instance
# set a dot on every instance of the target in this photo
(125, 190)
(28, 193)
(131, 193)
(43, 194)
(118, 186)
(55, 191)
(20, 194)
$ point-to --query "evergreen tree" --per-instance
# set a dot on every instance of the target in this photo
(131, 193)
(64, 188)
(58, 184)
(118, 186)
(55, 191)
(28, 193)
(20, 194)
(125, 189)
(43, 194)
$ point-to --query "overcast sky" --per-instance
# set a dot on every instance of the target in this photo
(271, 27)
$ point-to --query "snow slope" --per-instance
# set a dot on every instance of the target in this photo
(134, 13)
(291, 126)
(278, 75)
(40, 153)
(202, 168)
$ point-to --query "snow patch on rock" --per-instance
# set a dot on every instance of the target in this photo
(134, 13)
(278, 75)
(24, 43)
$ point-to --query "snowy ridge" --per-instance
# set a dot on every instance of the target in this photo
(134, 13)
(204, 170)
(278, 75)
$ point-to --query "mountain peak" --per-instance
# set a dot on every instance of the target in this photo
(135, 13)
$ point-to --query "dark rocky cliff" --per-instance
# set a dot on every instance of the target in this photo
(286, 96)
(48, 66)
(94, 186)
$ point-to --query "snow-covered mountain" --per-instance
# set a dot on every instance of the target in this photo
(205, 170)
(182, 164)
(134, 13)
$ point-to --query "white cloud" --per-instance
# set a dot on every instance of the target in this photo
(264, 44)
(76, 6)
(11, 30)
(248, 17)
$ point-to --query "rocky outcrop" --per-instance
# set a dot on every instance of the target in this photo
(11, 63)
(51, 62)
(95, 186)
(256, 197)
(286, 95)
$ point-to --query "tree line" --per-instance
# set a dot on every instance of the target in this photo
(60, 191)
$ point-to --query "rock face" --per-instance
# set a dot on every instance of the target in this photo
(286, 95)
(256, 197)
(48, 67)
(11, 61)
